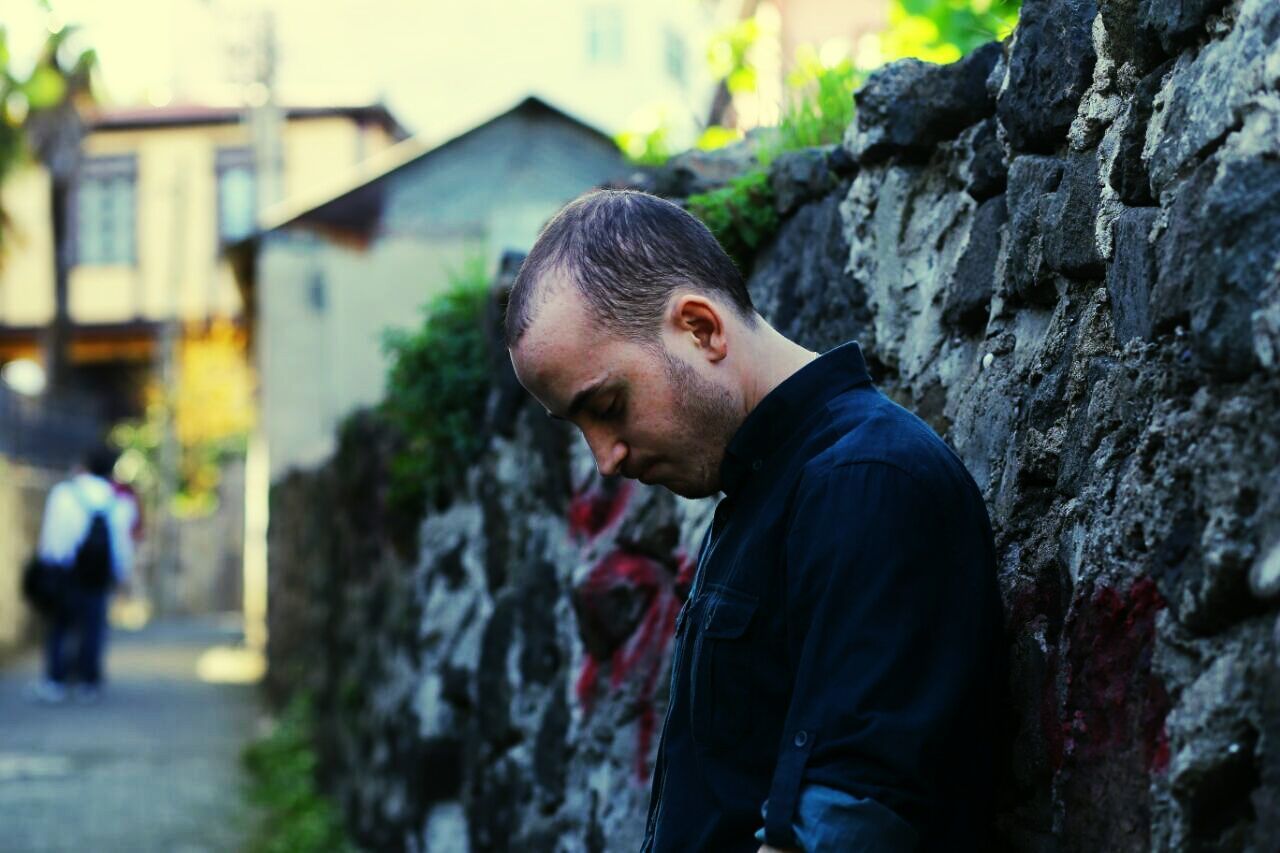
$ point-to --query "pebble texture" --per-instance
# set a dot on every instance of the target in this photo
(1072, 272)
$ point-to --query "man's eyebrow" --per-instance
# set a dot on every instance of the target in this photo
(580, 399)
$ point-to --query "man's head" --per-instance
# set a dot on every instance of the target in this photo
(100, 461)
(628, 319)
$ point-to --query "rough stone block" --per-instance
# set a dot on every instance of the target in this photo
(1219, 253)
(799, 176)
(612, 599)
(987, 174)
(1177, 23)
(1266, 327)
(1068, 227)
(1050, 68)
(697, 171)
(910, 106)
(1214, 765)
(1032, 181)
(1132, 273)
(1205, 95)
(800, 284)
(1265, 574)
(1130, 38)
(968, 297)
(1128, 175)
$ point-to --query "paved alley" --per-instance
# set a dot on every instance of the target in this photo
(154, 766)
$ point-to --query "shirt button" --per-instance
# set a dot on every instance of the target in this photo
(802, 737)
(755, 466)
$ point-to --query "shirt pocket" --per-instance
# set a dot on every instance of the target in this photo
(721, 701)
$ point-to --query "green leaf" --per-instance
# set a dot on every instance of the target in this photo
(717, 137)
(437, 386)
(742, 81)
(44, 88)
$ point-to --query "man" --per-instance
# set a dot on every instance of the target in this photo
(95, 563)
(835, 667)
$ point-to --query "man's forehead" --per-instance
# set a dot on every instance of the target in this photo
(561, 351)
(558, 328)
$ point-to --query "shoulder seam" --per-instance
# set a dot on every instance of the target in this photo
(849, 463)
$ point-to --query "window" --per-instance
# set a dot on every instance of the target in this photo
(104, 211)
(604, 35)
(673, 50)
(237, 194)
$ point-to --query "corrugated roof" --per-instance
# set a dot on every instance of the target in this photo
(382, 164)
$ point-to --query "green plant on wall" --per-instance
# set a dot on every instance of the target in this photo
(436, 390)
(198, 467)
(818, 103)
(649, 145)
(818, 106)
(741, 215)
(729, 56)
(941, 30)
(294, 817)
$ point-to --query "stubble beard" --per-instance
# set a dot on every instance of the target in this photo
(706, 416)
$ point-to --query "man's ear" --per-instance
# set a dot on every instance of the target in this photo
(697, 319)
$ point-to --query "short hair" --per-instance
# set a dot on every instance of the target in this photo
(100, 461)
(626, 252)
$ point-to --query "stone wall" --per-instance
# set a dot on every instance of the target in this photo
(1064, 253)
(23, 491)
(209, 577)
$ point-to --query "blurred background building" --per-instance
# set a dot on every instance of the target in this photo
(324, 279)
(218, 194)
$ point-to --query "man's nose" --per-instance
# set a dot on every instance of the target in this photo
(609, 451)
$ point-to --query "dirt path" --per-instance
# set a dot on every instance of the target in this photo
(153, 767)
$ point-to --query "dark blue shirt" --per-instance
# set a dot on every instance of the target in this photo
(842, 633)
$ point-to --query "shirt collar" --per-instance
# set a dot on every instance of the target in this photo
(786, 407)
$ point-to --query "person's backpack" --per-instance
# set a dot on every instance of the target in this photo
(92, 566)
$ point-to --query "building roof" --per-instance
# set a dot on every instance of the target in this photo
(360, 185)
(178, 115)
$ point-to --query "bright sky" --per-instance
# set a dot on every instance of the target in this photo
(339, 50)
(329, 50)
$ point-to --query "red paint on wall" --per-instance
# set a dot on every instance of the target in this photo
(638, 660)
(1112, 700)
(597, 508)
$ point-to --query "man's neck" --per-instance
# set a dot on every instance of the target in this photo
(774, 360)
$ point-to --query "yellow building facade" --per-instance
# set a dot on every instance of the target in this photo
(160, 192)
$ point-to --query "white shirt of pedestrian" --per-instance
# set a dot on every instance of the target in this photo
(67, 515)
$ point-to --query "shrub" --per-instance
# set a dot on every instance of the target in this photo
(741, 215)
(436, 391)
(295, 816)
(819, 107)
(650, 146)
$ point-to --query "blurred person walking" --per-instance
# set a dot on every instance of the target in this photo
(87, 533)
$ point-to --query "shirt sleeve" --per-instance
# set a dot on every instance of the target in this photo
(883, 654)
(831, 819)
(124, 512)
(60, 528)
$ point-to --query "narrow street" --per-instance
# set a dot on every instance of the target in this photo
(154, 766)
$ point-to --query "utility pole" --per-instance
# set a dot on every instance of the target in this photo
(265, 119)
